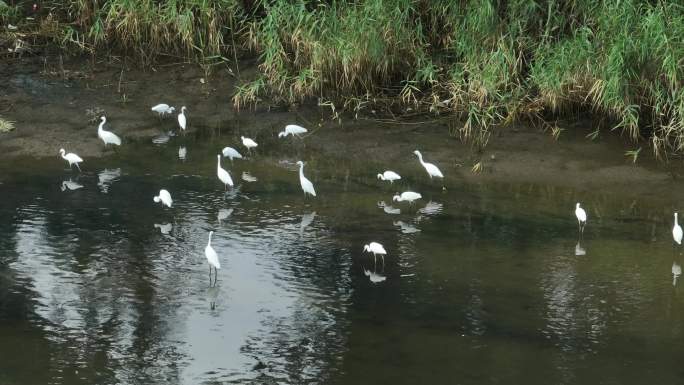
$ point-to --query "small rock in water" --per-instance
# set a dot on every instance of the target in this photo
(259, 365)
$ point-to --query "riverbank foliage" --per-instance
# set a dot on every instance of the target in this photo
(485, 63)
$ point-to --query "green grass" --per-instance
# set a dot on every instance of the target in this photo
(484, 63)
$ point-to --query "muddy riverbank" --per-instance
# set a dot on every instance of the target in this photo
(56, 105)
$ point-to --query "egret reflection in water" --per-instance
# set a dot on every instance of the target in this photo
(373, 276)
(579, 250)
(388, 209)
(676, 272)
(247, 177)
(223, 214)
(164, 228)
(182, 152)
(306, 221)
(406, 228)
(70, 185)
(106, 177)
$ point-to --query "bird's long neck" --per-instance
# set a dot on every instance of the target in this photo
(64, 157)
(676, 219)
(218, 165)
(100, 127)
(420, 158)
(209, 243)
(301, 170)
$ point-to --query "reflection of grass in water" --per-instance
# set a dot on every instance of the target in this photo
(6, 125)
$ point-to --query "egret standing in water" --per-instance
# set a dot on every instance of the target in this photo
(249, 143)
(431, 169)
(307, 186)
(581, 217)
(677, 231)
(391, 176)
(294, 130)
(71, 158)
(376, 249)
(182, 121)
(231, 153)
(107, 136)
(222, 174)
(163, 109)
(212, 258)
(409, 196)
(164, 197)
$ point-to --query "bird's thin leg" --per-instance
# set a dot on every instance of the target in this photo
(209, 275)
(215, 276)
(383, 262)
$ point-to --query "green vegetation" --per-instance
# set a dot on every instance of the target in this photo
(485, 63)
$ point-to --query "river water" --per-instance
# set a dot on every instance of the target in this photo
(482, 284)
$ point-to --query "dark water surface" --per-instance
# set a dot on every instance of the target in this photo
(484, 284)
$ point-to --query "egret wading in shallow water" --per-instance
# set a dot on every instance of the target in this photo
(307, 186)
(581, 217)
(107, 136)
(212, 258)
(409, 196)
(249, 143)
(231, 153)
(164, 197)
(71, 158)
(431, 169)
(182, 121)
(677, 231)
(163, 109)
(222, 174)
(391, 176)
(376, 249)
(294, 130)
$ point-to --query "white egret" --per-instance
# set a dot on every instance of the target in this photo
(182, 121)
(231, 153)
(677, 231)
(582, 217)
(376, 249)
(163, 109)
(71, 158)
(212, 258)
(182, 153)
(107, 137)
(71, 185)
(391, 176)
(292, 129)
(307, 186)
(431, 169)
(409, 196)
(164, 197)
(373, 276)
(249, 143)
(222, 174)
(676, 272)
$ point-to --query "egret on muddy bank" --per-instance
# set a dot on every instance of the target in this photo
(307, 186)
(231, 153)
(71, 158)
(249, 143)
(107, 137)
(163, 109)
(391, 176)
(431, 169)
(292, 129)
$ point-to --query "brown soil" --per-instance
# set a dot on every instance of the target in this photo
(48, 104)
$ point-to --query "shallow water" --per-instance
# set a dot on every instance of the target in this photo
(483, 284)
